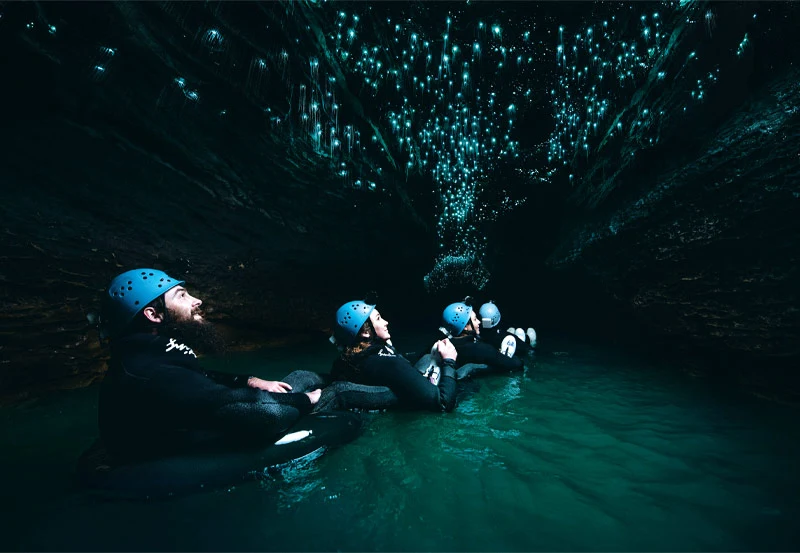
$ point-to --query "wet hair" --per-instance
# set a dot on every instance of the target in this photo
(363, 341)
(346, 364)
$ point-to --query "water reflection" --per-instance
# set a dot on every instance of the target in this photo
(576, 454)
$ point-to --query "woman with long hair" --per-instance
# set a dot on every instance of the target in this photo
(368, 357)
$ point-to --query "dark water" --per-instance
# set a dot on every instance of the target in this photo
(588, 450)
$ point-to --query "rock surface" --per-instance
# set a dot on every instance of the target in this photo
(705, 254)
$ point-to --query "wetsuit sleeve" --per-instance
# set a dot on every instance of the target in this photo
(228, 379)
(410, 387)
(414, 356)
(200, 402)
(483, 353)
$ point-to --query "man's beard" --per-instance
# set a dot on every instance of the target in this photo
(201, 336)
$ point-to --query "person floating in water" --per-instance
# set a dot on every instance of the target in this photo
(460, 322)
(511, 341)
(369, 358)
(157, 399)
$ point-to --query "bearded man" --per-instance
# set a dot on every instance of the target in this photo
(157, 400)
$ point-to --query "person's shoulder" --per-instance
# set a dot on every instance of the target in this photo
(467, 341)
(484, 344)
(379, 354)
(132, 343)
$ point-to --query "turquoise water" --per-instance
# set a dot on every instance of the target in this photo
(588, 450)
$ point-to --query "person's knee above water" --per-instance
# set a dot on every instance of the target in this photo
(511, 341)
(368, 357)
(156, 398)
(461, 323)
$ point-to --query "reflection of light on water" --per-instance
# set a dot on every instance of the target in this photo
(510, 391)
(487, 417)
(505, 434)
(648, 446)
(295, 481)
(479, 457)
(292, 469)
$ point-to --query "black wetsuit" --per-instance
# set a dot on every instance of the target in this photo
(472, 350)
(381, 365)
(494, 337)
(156, 400)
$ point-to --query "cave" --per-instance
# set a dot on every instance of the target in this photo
(624, 174)
(633, 184)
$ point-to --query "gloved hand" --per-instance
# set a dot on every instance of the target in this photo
(447, 370)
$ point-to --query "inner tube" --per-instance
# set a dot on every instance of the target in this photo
(310, 436)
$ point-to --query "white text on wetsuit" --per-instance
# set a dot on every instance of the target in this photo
(180, 347)
(386, 352)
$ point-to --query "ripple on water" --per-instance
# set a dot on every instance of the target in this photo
(586, 451)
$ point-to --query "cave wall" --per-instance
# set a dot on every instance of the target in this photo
(78, 208)
(703, 255)
(102, 176)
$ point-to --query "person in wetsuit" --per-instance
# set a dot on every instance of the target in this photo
(157, 399)
(513, 341)
(369, 358)
(460, 321)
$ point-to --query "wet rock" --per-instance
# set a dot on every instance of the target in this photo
(705, 256)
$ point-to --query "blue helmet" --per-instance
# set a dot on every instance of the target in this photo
(455, 317)
(349, 319)
(130, 292)
(489, 311)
